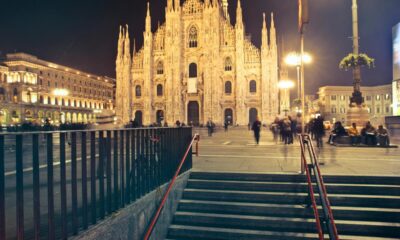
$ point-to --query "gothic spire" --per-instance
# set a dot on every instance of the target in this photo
(148, 18)
(127, 51)
(120, 44)
(264, 33)
(239, 17)
(177, 4)
(225, 8)
(170, 7)
(207, 3)
(272, 32)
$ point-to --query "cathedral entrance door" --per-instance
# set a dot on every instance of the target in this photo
(193, 113)
(139, 117)
(229, 116)
(252, 115)
(160, 116)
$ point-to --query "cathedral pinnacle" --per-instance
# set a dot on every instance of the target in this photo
(177, 4)
(239, 17)
(148, 18)
(170, 7)
(127, 52)
(272, 32)
(264, 22)
(264, 34)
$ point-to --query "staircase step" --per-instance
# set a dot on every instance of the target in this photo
(258, 177)
(363, 201)
(354, 179)
(245, 222)
(280, 210)
(292, 187)
(180, 232)
(369, 229)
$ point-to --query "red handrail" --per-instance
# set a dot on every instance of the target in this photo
(325, 194)
(164, 199)
(311, 190)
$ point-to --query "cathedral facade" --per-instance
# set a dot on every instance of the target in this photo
(197, 66)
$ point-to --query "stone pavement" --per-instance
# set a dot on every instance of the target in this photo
(235, 151)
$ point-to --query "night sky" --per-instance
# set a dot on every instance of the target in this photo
(83, 33)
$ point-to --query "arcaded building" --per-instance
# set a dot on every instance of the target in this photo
(197, 66)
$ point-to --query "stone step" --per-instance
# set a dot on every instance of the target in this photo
(277, 177)
(186, 232)
(279, 210)
(292, 187)
(289, 198)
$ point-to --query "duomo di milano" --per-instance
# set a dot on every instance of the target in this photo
(197, 66)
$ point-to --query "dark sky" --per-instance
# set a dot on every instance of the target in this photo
(83, 33)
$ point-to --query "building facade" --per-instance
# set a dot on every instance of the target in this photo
(34, 90)
(334, 102)
(197, 66)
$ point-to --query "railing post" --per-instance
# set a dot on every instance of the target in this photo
(93, 198)
(20, 186)
(63, 188)
(74, 185)
(50, 187)
(84, 181)
(108, 172)
(100, 174)
(127, 167)
(122, 167)
(132, 176)
(2, 192)
(36, 185)
(116, 171)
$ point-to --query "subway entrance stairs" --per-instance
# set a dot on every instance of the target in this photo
(221, 205)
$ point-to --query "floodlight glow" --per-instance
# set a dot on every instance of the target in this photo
(285, 84)
(294, 59)
(60, 92)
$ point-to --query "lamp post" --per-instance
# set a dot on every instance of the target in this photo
(285, 85)
(60, 92)
(299, 60)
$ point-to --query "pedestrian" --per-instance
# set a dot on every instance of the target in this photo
(210, 127)
(383, 136)
(275, 129)
(318, 130)
(226, 124)
(354, 134)
(286, 130)
(256, 129)
(178, 123)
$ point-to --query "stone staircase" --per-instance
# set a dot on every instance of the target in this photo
(273, 206)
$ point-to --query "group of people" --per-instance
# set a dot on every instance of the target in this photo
(284, 129)
(368, 135)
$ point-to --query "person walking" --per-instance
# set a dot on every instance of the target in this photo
(256, 127)
(210, 127)
(226, 124)
(287, 131)
(319, 131)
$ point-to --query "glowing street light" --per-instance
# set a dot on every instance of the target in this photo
(61, 92)
(294, 59)
(285, 85)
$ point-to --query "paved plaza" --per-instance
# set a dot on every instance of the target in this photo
(236, 151)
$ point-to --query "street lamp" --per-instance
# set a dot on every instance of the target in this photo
(60, 92)
(294, 59)
(285, 85)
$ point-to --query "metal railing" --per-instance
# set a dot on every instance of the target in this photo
(54, 184)
(154, 219)
(312, 170)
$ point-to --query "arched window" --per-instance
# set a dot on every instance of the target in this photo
(160, 68)
(228, 87)
(193, 37)
(138, 91)
(228, 64)
(253, 86)
(41, 99)
(159, 90)
(193, 70)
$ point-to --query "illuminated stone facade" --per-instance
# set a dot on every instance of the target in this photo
(197, 66)
(27, 92)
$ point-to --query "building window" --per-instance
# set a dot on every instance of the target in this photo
(41, 99)
(342, 110)
(159, 90)
(48, 100)
(333, 110)
(387, 96)
(193, 37)
(387, 109)
(192, 70)
(228, 64)
(333, 97)
(369, 109)
(160, 68)
(253, 86)
(369, 98)
(342, 97)
(378, 110)
(228, 87)
(138, 91)
(378, 97)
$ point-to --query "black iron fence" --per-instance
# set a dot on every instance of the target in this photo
(55, 184)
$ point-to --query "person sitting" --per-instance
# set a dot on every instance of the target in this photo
(383, 137)
(354, 134)
(369, 134)
(337, 131)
